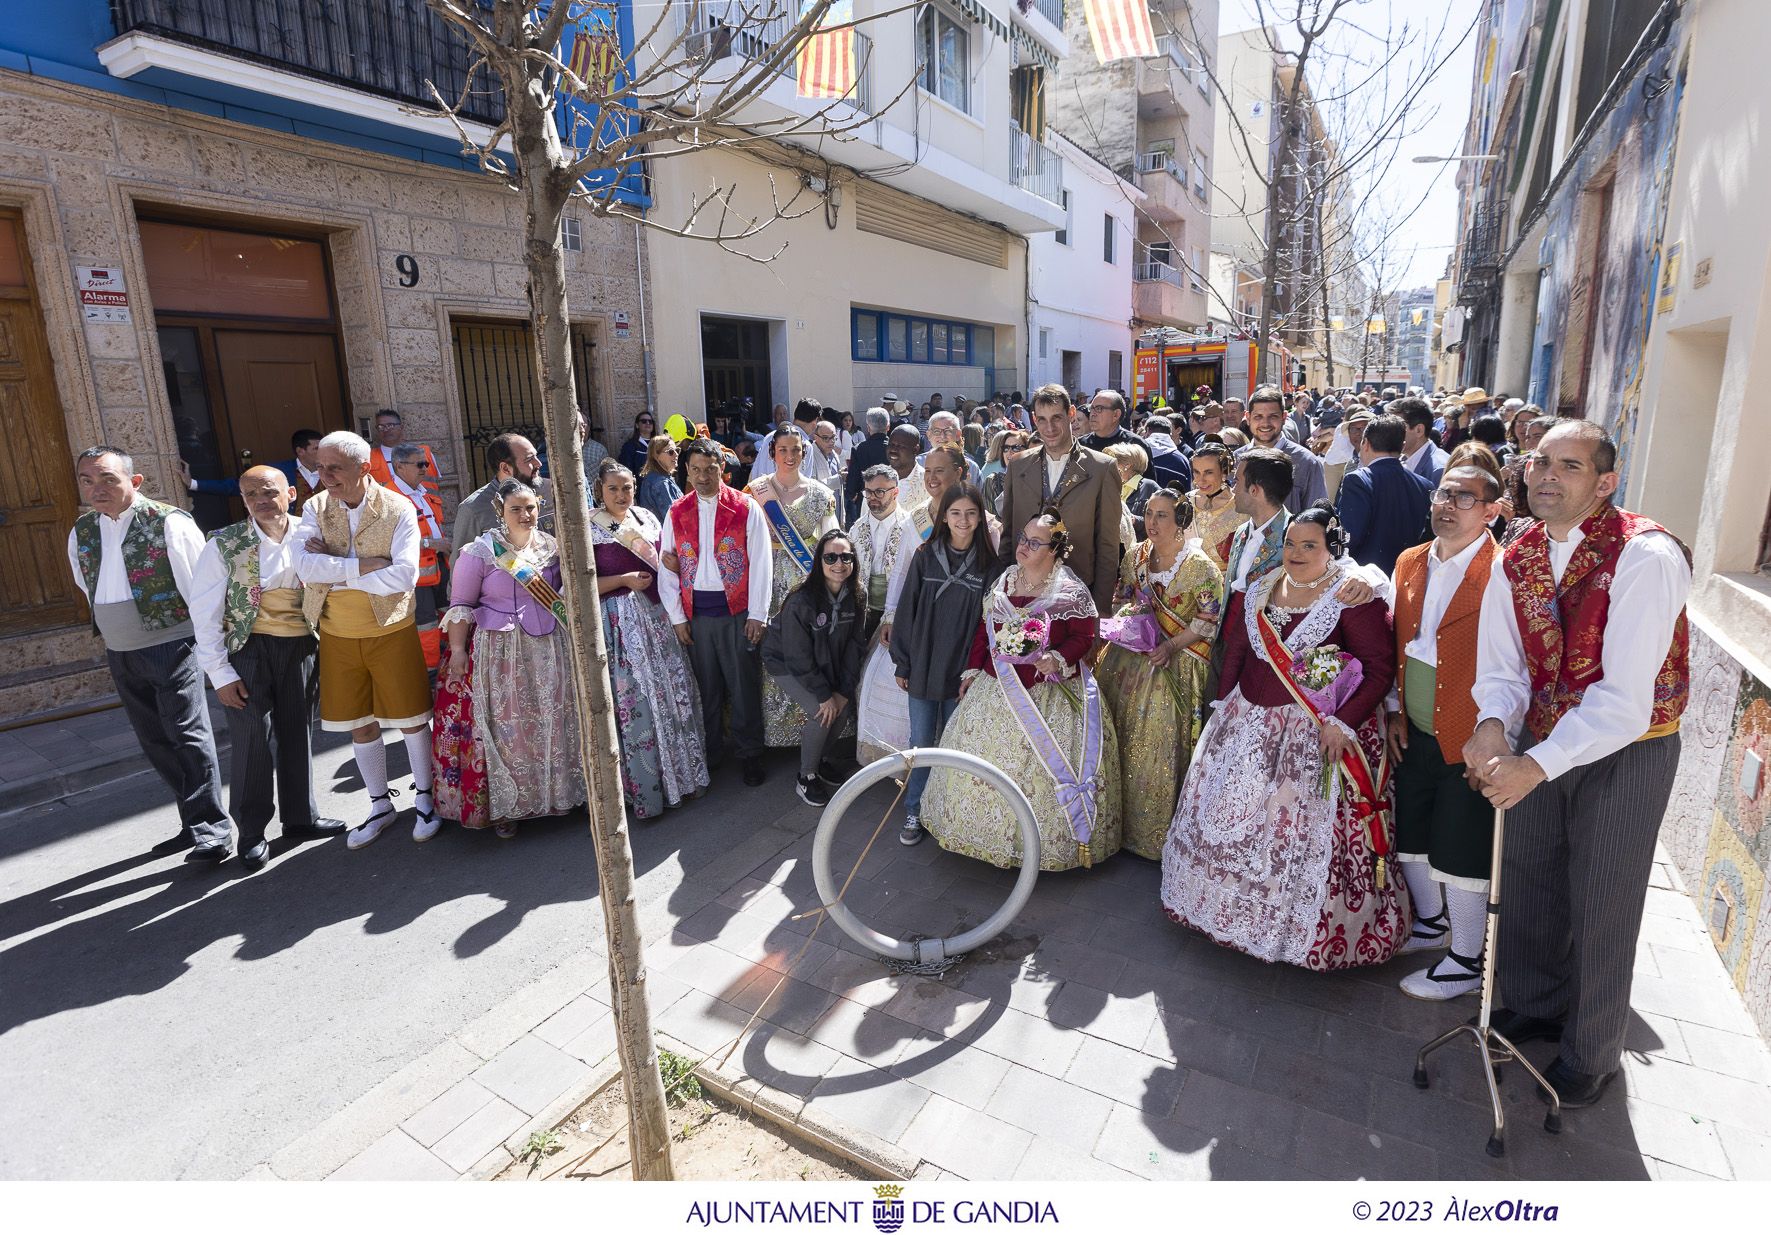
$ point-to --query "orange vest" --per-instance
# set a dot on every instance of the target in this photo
(430, 527)
(384, 472)
(1454, 682)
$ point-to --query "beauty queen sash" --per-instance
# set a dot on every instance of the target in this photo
(506, 559)
(630, 536)
(1076, 792)
(786, 535)
(922, 517)
(1367, 787)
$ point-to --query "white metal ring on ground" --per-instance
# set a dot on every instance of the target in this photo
(925, 950)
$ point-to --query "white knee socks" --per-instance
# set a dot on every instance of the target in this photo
(1469, 920)
(1428, 895)
(372, 767)
(418, 755)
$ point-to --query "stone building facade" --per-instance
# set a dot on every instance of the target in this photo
(413, 250)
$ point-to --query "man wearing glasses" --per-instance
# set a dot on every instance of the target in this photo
(1444, 826)
(411, 475)
(633, 450)
(1583, 668)
(884, 536)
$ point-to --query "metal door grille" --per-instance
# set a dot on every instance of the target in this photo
(495, 367)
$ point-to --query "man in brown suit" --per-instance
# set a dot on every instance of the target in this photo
(1084, 486)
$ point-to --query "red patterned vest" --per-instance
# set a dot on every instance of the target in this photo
(730, 550)
(1563, 628)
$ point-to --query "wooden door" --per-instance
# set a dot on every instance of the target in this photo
(274, 383)
(38, 498)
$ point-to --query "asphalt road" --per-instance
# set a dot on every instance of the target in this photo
(166, 1021)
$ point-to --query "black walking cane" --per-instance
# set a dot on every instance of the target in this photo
(1496, 1050)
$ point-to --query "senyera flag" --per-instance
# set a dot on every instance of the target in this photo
(1120, 29)
(825, 63)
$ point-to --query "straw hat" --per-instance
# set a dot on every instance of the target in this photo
(1474, 395)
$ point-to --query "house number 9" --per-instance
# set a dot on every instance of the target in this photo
(407, 265)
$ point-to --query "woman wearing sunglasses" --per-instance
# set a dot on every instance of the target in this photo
(813, 652)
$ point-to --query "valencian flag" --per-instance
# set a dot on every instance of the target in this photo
(825, 62)
(596, 54)
(1120, 29)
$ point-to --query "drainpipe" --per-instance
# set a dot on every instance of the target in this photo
(639, 275)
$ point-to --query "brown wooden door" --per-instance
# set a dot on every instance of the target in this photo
(38, 499)
(274, 383)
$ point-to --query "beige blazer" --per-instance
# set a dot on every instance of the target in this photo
(1087, 497)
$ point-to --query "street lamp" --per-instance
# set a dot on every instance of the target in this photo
(1455, 158)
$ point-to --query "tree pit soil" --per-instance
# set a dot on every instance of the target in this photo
(710, 1139)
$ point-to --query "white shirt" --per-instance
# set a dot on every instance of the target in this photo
(1054, 468)
(707, 576)
(183, 543)
(400, 576)
(821, 467)
(1411, 461)
(428, 526)
(312, 477)
(1443, 580)
(879, 537)
(1340, 450)
(276, 568)
(1648, 593)
(1250, 550)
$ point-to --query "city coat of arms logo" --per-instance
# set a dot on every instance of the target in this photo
(888, 1207)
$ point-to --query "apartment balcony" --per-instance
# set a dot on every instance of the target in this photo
(1044, 20)
(1169, 195)
(1484, 244)
(365, 58)
(1034, 166)
(1172, 81)
(1166, 294)
(708, 39)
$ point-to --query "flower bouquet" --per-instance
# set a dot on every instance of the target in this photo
(1135, 632)
(1023, 642)
(1327, 677)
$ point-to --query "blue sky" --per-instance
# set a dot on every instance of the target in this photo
(1422, 241)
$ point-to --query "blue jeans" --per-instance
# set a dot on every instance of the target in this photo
(928, 717)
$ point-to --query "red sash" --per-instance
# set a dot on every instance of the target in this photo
(1367, 798)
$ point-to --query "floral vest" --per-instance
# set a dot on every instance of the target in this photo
(238, 545)
(144, 559)
(1563, 628)
(375, 538)
(730, 548)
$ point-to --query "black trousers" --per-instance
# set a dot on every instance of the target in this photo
(727, 666)
(166, 700)
(273, 734)
(1579, 850)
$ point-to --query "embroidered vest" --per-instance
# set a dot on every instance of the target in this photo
(303, 491)
(730, 547)
(151, 584)
(1454, 681)
(241, 604)
(375, 538)
(1563, 628)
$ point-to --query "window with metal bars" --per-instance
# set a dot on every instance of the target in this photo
(495, 371)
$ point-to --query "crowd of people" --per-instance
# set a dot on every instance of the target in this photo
(1296, 650)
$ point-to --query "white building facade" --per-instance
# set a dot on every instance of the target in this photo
(1081, 284)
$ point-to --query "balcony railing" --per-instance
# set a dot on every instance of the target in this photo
(1158, 161)
(384, 47)
(1051, 10)
(1170, 46)
(716, 29)
(1156, 272)
(1034, 166)
(1483, 245)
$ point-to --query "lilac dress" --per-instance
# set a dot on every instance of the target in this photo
(657, 707)
(525, 712)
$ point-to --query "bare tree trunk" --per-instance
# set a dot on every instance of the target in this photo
(1322, 281)
(546, 188)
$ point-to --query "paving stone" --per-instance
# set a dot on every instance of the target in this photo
(482, 1132)
(1153, 1148)
(703, 1023)
(1104, 1015)
(1049, 1107)
(1697, 1091)
(448, 1111)
(1650, 1033)
(1236, 1113)
(791, 1004)
(1533, 1153)
(1309, 1081)
(1749, 1154)
(954, 1071)
(1731, 1054)
(1715, 1004)
(935, 1006)
(1291, 1024)
(714, 971)
(785, 1061)
(1049, 1161)
(596, 1043)
(1667, 1172)
(396, 1157)
(1024, 1039)
(1138, 1080)
(869, 1098)
(967, 1142)
(529, 1074)
(865, 1033)
(1201, 1045)
(1341, 1149)
(570, 1021)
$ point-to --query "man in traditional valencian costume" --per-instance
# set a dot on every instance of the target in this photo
(1582, 667)
(357, 555)
(717, 540)
(258, 649)
(133, 559)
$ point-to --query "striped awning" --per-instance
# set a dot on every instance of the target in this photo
(1025, 44)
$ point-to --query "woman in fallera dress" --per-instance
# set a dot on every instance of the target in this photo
(505, 728)
(657, 707)
(798, 510)
(1215, 517)
(1029, 704)
(1266, 854)
(1158, 655)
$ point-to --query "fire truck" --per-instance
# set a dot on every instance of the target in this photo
(1229, 364)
